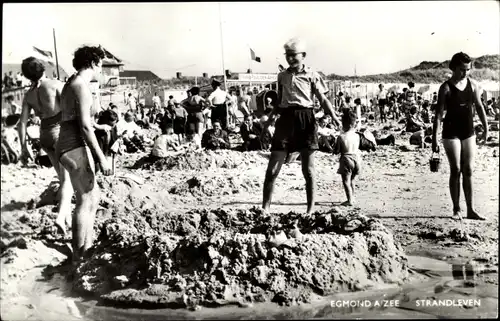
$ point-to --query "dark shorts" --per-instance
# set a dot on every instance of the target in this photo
(382, 102)
(349, 164)
(194, 122)
(296, 130)
(179, 125)
(70, 137)
(49, 132)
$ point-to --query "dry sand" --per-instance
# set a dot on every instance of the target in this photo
(153, 224)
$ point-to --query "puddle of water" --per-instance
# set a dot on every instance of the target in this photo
(434, 296)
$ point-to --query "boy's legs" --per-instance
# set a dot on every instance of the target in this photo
(347, 182)
(352, 187)
(307, 160)
(273, 168)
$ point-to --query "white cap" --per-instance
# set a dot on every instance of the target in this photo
(295, 45)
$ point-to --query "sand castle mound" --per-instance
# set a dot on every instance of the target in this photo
(201, 160)
(222, 257)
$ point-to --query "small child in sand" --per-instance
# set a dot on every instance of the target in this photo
(10, 138)
(348, 146)
(166, 144)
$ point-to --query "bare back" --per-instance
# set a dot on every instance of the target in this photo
(45, 99)
(349, 142)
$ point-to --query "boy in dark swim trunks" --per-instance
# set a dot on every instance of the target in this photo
(348, 146)
(296, 128)
(458, 96)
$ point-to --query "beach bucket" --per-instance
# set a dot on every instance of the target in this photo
(434, 162)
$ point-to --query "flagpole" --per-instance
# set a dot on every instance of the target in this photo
(222, 48)
(55, 50)
(223, 67)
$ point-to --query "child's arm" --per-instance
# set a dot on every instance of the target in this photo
(336, 148)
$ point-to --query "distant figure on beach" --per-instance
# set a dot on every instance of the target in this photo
(166, 144)
(219, 100)
(131, 103)
(382, 102)
(11, 145)
(194, 105)
(77, 142)
(171, 101)
(458, 97)
(156, 102)
(243, 101)
(250, 135)
(296, 128)
(215, 138)
(44, 98)
(12, 107)
(19, 79)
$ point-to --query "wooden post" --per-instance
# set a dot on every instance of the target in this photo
(55, 50)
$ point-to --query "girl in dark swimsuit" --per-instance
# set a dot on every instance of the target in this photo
(76, 144)
(457, 96)
(194, 106)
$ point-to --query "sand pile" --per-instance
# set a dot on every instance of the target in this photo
(201, 160)
(201, 185)
(222, 257)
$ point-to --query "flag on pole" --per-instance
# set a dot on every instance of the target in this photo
(253, 56)
(45, 53)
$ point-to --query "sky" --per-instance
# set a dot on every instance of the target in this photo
(341, 37)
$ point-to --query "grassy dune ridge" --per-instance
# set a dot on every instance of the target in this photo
(484, 68)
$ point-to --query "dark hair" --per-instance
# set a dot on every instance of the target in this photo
(108, 117)
(170, 97)
(9, 98)
(84, 56)
(11, 120)
(267, 86)
(411, 84)
(195, 91)
(458, 59)
(341, 94)
(357, 101)
(413, 110)
(348, 119)
(405, 89)
(166, 127)
(33, 68)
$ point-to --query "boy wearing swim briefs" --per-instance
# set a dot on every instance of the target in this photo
(349, 163)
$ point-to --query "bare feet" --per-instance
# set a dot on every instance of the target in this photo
(457, 214)
(472, 215)
(347, 203)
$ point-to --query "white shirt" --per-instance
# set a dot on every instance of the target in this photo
(131, 128)
(132, 102)
(325, 131)
(156, 100)
(217, 97)
(19, 77)
(382, 94)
